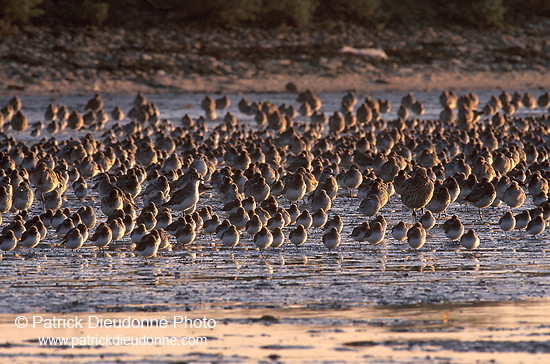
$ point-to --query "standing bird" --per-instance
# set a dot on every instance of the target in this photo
(375, 234)
(418, 190)
(230, 237)
(6, 198)
(536, 226)
(263, 238)
(453, 228)
(331, 239)
(295, 187)
(351, 178)
(73, 239)
(149, 244)
(482, 195)
(23, 197)
(102, 235)
(8, 241)
(470, 240)
(185, 199)
(94, 104)
(399, 231)
(416, 236)
(185, 235)
(19, 122)
(298, 236)
(440, 200)
(117, 114)
(507, 222)
(44, 178)
(31, 237)
(278, 237)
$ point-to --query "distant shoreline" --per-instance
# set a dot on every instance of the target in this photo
(422, 81)
(44, 61)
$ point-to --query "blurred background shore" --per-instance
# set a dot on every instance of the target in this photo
(62, 46)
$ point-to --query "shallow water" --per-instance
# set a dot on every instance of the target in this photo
(205, 276)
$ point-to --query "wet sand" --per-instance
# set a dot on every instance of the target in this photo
(501, 332)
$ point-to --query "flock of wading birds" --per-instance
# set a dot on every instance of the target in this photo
(481, 155)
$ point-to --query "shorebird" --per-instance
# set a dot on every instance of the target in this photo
(52, 200)
(537, 184)
(102, 236)
(64, 227)
(75, 120)
(277, 220)
(211, 224)
(239, 218)
(482, 195)
(375, 233)
(453, 228)
(320, 200)
(148, 245)
(148, 219)
(163, 219)
(305, 219)
(230, 236)
(358, 233)
(31, 237)
(263, 238)
(23, 197)
(514, 196)
(370, 205)
(319, 218)
(44, 178)
(295, 187)
(294, 212)
(222, 103)
(399, 231)
(117, 113)
(331, 239)
(278, 237)
(298, 236)
(507, 222)
(257, 188)
(416, 236)
(6, 198)
(351, 178)
(118, 229)
(185, 235)
(73, 239)
(19, 121)
(335, 221)
(222, 227)
(8, 241)
(186, 198)
(440, 200)
(417, 190)
(522, 219)
(470, 240)
(427, 220)
(114, 201)
(253, 225)
(139, 231)
(536, 226)
(80, 188)
(94, 104)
